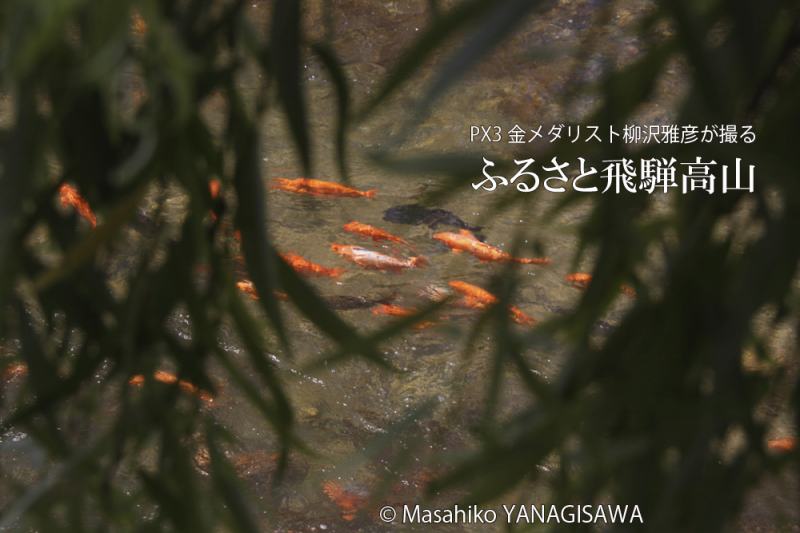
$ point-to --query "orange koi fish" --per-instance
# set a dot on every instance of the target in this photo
(478, 298)
(581, 280)
(391, 310)
(247, 287)
(70, 197)
(376, 261)
(465, 241)
(302, 265)
(12, 372)
(627, 290)
(473, 294)
(371, 231)
(171, 379)
(349, 502)
(319, 188)
(397, 310)
(784, 444)
(138, 24)
(214, 188)
(520, 317)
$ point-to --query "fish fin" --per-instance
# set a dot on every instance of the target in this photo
(456, 251)
(466, 233)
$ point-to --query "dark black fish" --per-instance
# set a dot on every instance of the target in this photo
(418, 214)
(346, 303)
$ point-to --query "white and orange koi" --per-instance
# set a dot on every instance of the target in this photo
(377, 261)
(465, 241)
(316, 187)
(247, 287)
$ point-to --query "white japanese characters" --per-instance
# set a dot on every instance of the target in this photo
(621, 176)
(629, 134)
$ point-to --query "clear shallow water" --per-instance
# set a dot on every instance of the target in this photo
(342, 409)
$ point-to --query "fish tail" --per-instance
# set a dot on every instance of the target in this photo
(532, 260)
(370, 193)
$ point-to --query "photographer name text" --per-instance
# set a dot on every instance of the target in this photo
(514, 514)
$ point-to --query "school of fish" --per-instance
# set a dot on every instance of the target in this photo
(351, 502)
(463, 240)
